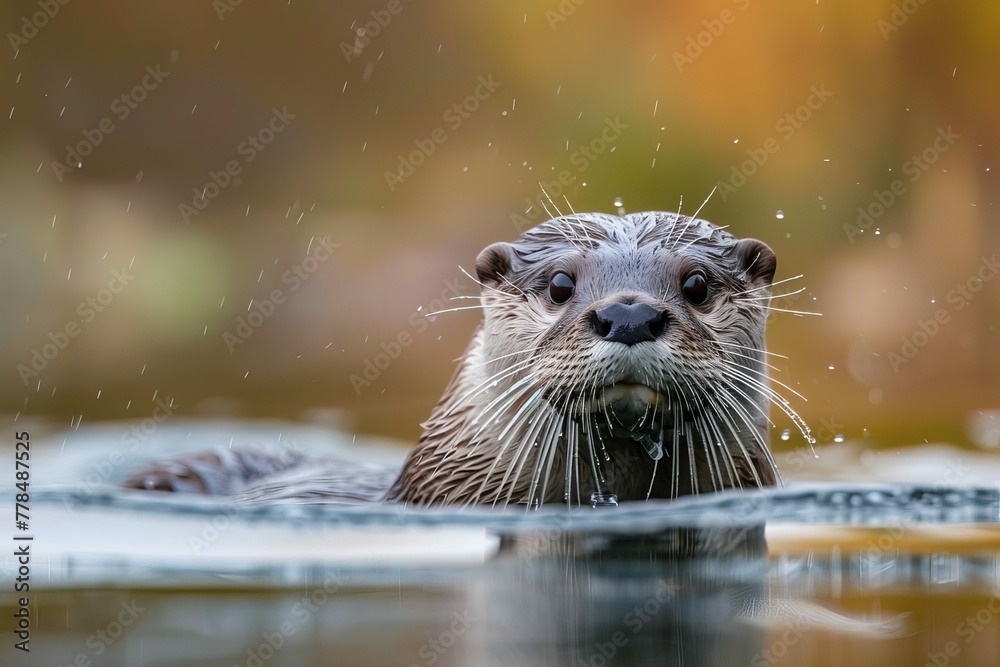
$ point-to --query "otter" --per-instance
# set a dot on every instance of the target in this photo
(619, 358)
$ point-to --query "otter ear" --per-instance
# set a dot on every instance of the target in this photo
(493, 262)
(757, 261)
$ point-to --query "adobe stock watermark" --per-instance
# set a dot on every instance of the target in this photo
(261, 310)
(914, 168)
(369, 30)
(128, 443)
(393, 348)
(223, 7)
(966, 631)
(121, 108)
(215, 527)
(581, 159)
(30, 25)
(248, 149)
(958, 297)
(900, 14)
(102, 639)
(713, 28)
(829, 430)
(87, 311)
(562, 12)
(794, 631)
(432, 650)
(454, 116)
(786, 127)
(887, 543)
(300, 615)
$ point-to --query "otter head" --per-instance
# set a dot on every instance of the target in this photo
(619, 358)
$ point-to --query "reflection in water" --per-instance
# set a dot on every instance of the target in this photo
(687, 596)
(596, 600)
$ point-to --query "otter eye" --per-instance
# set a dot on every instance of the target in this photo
(561, 288)
(695, 288)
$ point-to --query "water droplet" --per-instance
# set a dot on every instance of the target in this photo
(138, 177)
(839, 437)
(780, 215)
(830, 367)
(786, 434)
(603, 499)
(620, 205)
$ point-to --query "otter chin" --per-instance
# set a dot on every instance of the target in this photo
(619, 358)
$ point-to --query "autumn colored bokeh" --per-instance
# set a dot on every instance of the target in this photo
(272, 197)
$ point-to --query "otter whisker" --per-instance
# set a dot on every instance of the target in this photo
(652, 477)
(573, 456)
(484, 286)
(707, 199)
(546, 193)
(492, 414)
(768, 286)
(780, 401)
(692, 218)
(769, 297)
(745, 417)
(521, 455)
(676, 465)
(689, 431)
(491, 381)
(550, 450)
(728, 385)
(716, 447)
(530, 405)
(569, 205)
(501, 357)
(750, 349)
(711, 429)
(741, 412)
(482, 306)
(764, 376)
(799, 313)
(522, 412)
(750, 359)
(729, 422)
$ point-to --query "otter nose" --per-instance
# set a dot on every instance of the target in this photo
(629, 323)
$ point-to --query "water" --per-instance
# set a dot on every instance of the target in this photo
(812, 574)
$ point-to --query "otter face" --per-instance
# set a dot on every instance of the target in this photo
(643, 337)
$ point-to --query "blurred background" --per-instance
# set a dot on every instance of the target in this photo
(242, 210)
